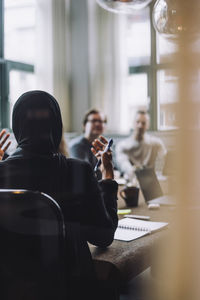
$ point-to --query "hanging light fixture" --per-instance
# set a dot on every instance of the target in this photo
(168, 18)
(123, 6)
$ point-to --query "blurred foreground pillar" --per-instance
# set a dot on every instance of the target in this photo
(179, 261)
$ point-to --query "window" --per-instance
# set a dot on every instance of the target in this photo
(165, 49)
(135, 49)
(17, 53)
(20, 82)
(135, 96)
(167, 84)
(149, 82)
(137, 38)
(19, 28)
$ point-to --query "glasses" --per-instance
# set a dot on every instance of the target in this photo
(93, 121)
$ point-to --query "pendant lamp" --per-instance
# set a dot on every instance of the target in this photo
(169, 21)
(123, 6)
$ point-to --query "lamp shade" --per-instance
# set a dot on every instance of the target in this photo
(123, 6)
(169, 21)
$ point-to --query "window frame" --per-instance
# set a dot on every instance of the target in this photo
(5, 67)
(151, 71)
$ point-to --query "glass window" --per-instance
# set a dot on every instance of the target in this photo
(134, 50)
(137, 38)
(165, 49)
(20, 82)
(20, 30)
(167, 83)
(134, 96)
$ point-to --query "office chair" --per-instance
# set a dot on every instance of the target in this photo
(32, 247)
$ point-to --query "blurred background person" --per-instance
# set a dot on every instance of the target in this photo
(140, 149)
(80, 147)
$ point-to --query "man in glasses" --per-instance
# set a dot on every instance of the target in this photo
(93, 126)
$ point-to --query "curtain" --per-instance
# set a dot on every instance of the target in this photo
(51, 68)
(104, 62)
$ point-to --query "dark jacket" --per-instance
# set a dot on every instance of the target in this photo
(72, 184)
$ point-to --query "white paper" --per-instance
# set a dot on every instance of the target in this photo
(136, 228)
(128, 235)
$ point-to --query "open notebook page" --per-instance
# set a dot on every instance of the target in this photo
(131, 229)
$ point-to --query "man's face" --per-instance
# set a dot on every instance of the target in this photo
(95, 125)
(141, 125)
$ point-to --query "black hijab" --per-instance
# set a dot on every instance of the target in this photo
(37, 122)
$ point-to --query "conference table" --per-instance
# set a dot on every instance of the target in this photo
(117, 264)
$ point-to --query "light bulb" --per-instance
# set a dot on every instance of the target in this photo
(169, 18)
(123, 6)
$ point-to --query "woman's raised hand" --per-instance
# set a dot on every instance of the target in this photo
(98, 148)
(3, 138)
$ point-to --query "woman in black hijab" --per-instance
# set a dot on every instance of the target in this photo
(37, 165)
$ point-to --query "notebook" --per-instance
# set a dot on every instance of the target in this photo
(130, 229)
(151, 188)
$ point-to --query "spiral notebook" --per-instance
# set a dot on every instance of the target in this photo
(130, 229)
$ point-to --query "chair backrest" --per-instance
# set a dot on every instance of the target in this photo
(32, 251)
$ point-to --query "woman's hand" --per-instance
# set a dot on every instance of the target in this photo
(3, 138)
(106, 157)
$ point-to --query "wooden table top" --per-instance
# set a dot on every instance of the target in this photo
(122, 261)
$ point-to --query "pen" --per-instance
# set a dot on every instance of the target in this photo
(108, 146)
(138, 217)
